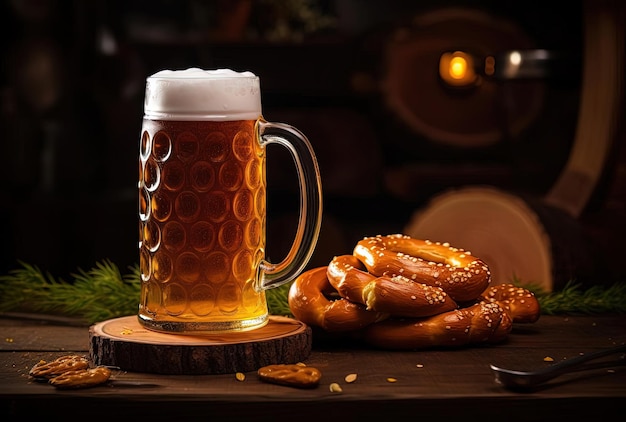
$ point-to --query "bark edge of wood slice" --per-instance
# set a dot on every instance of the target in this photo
(125, 344)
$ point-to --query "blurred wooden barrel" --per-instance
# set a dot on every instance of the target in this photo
(521, 239)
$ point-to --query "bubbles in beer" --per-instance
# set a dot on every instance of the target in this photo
(202, 300)
(151, 236)
(144, 264)
(161, 146)
(230, 176)
(173, 175)
(202, 236)
(216, 147)
(144, 205)
(202, 176)
(217, 206)
(217, 267)
(151, 175)
(243, 205)
(187, 267)
(162, 267)
(230, 236)
(175, 299)
(202, 204)
(242, 146)
(174, 236)
(186, 146)
(144, 147)
(229, 297)
(187, 206)
(161, 206)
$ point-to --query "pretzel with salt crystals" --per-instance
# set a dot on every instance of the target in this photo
(393, 295)
(314, 301)
(462, 276)
(483, 322)
(345, 297)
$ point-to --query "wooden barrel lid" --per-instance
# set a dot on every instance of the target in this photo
(124, 343)
(521, 238)
(494, 225)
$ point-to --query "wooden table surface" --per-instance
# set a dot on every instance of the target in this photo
(430, 384)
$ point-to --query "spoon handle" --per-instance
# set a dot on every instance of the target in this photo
(571, 363)
(527, 379)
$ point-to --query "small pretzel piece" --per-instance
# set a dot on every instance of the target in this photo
(82, 378)
(290, 374)
(45, 370)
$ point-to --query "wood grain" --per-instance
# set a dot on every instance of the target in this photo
(124, 343)
(439, 384)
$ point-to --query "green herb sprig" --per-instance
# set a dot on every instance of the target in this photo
(104, 292)
(101, 293)
(94, 295)
(574, 299)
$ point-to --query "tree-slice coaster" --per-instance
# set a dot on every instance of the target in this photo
(124, 343)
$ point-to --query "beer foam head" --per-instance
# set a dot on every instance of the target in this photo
(196, 94)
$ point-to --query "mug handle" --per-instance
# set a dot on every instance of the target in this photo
(273, 275)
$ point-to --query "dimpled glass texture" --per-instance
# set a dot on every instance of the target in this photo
(201, 226)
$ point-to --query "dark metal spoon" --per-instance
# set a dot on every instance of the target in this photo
(528, 379)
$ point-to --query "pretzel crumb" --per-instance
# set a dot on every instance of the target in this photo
(548, 359)
(350, 378)
(240, 376)
(335, 388)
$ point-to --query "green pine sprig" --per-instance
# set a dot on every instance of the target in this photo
(574, 299)
(94, 295)
(277, 301)
(101, 293)
(104, 292)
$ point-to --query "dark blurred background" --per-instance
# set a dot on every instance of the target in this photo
(71, 96)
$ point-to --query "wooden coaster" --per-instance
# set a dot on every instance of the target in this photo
(124, 343)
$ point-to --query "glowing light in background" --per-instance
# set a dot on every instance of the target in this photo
(515, 58)
(457, 69)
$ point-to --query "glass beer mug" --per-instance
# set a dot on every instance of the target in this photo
(202, 203)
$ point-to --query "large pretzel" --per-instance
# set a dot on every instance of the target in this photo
(392, 307)
(455, 270)
(484, 321)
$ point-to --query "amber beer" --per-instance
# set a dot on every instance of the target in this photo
(202, 203)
